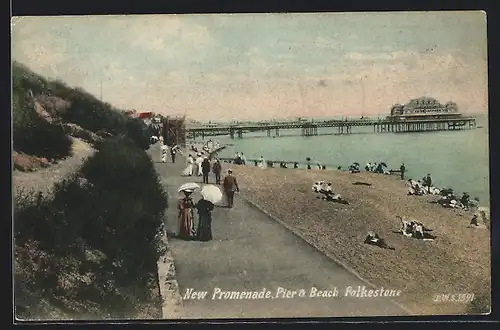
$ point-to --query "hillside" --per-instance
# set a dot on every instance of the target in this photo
(51, 109)
(60, 271)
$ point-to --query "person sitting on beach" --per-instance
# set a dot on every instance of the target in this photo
(237, 159)
(243, 159)
(434, 191)
(323, 167)
(317, 186)
(406, 227)
(474, 221)
(270, 164)
(295, 165)
(319, 166)
(474, 202)
(256, 163)
(465, 200)
(420, 232)
(326, 188)
(373, 238)
(339, 168)
(354, 168)
(480, 218)
(368, 167)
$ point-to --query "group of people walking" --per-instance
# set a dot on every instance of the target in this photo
(201, 166)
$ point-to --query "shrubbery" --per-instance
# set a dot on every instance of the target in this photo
(114, 206)
(32, 134)
(85, 109)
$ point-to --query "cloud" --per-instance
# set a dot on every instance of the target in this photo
(43, 53)
(371, 56)
(169, 37)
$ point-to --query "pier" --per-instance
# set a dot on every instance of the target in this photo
(342, 127)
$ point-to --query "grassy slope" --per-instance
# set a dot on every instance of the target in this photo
(28, 257)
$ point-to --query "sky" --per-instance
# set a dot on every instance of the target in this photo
(263, 66)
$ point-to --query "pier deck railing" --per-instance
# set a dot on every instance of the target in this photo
(343, 126)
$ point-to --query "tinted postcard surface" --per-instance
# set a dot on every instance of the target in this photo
(250, 166)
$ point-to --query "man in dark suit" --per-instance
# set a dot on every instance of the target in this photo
(230, 185)
(205, 169)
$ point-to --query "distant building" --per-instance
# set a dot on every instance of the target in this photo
(423, 108)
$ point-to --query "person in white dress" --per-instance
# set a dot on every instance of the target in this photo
(199, 160)
(262, 162)
(188, 171)
(164, 150)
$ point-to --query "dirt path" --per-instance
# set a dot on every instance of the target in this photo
(252, 252)
(44, 179)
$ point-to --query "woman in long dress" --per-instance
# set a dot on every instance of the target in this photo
(186, 216)
(262, 162)
(188, 171)
(205, 208)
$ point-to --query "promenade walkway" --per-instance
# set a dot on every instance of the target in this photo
(252, 252)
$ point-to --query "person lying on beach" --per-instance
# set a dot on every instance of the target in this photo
(373, 238)
(419, 233)
(329, 195)
(415, 188)
(408, 226)
(326, 188)
(449, 201)
(465, 200)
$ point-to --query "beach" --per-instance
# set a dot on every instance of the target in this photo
(458, 261)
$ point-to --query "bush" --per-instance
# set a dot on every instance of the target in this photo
(34, 135)
(115, 205)
(85, 109)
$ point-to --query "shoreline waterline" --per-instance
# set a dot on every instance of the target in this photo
(458, 160)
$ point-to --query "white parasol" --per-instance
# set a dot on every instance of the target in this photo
(211, 193)
(190, 186)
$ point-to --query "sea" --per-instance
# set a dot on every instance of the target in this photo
(455, 159)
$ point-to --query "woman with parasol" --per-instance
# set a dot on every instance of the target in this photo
(210, 195)
(186, 211)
